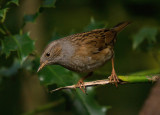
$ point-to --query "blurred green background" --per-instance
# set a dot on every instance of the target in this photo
(23, 91)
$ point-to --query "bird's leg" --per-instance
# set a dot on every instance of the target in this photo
(80, 83)
(113, 76)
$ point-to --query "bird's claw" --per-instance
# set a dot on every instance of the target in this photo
(114, 78)
(81, 85)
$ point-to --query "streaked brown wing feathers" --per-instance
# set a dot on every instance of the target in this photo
(93, 41)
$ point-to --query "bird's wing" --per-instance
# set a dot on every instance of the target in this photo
(94, 41)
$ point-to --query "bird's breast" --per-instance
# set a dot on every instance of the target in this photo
(88, 62)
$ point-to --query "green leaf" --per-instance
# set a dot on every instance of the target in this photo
(145, 33)
(30, 17)
(49, 3)
(14, 2)
(2, 31)
(3, 13)
(84, 104)
(94, 25)
(11, 70)
(57, 75)
(8, 45)
(20, 43)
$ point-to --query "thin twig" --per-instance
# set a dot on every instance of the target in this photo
(124, 79)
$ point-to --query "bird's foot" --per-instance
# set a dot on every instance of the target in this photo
(114, 78)
(81, 85)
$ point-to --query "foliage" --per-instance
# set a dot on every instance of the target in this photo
(3, 14)
(18, 43)
(11, 70)
(94, 25)
(14, 2)
(49, 3)
(145, 33)
(24, 46)
(31, 17)
(19, 57)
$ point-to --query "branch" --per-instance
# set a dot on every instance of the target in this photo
(123, 79)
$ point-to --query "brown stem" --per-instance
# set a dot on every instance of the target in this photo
(124, 79)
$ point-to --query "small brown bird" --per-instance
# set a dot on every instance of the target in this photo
(84, 52)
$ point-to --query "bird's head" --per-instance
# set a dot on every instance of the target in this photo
(51, 55)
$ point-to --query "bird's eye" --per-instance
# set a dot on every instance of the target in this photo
(47, 54)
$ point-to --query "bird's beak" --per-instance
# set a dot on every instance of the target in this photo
(42, 65)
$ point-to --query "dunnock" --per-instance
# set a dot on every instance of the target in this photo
(84, 52)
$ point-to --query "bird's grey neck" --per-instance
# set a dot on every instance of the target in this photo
(67, 51)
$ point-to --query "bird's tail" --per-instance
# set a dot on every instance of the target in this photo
(119, 27)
